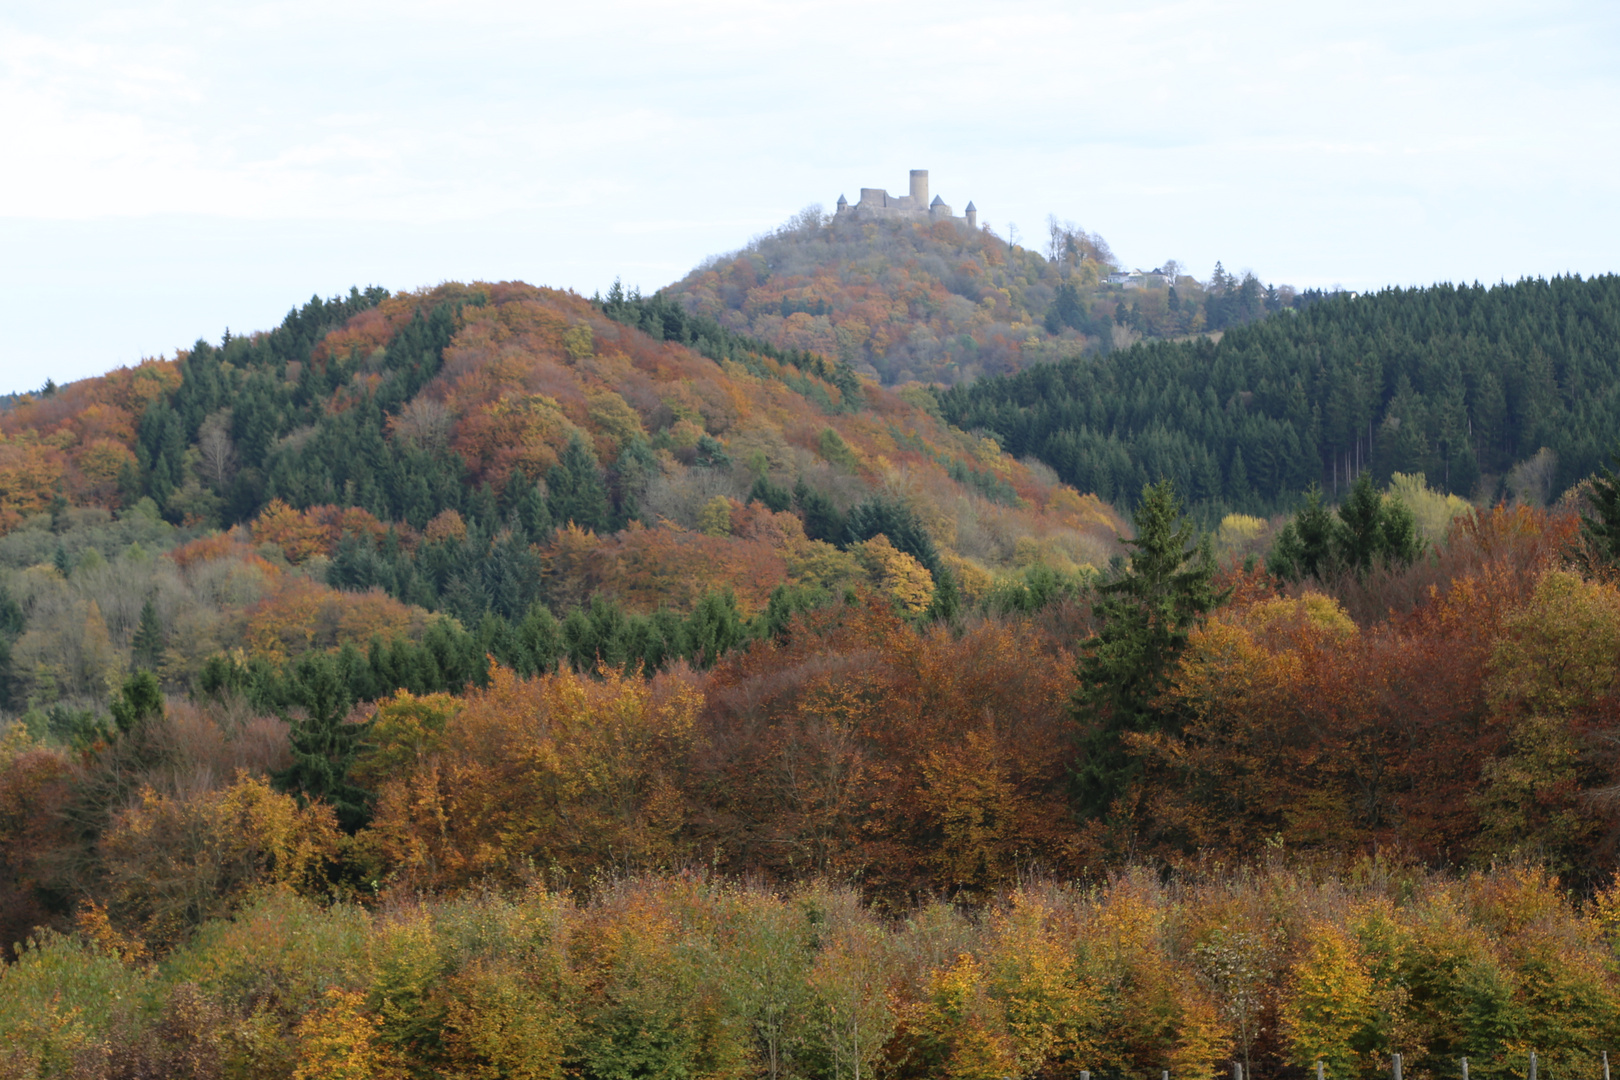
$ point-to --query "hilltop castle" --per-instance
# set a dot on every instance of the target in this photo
(878, 203)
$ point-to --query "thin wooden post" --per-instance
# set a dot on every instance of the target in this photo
(1465, 1068)
(1085, 1074)
(1237, 1070)
(1532, 1065)
(1319, 1075)
(1396, 1065)
(1605, 1065)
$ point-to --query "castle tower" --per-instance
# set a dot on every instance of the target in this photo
(938, 211)
(919, 188)
(972, 214)
(843, 205)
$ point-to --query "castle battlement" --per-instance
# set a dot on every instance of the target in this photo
(878, 203)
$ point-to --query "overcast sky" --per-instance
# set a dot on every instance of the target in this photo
(171, 169)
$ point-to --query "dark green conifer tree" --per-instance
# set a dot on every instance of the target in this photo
(576, 491)
(140, 700)
(1601, 525)
(324, 744)
(147, 647)
(893, 519)
(822, 521)
(1305, 546)
(1374, 529)
(1145, 616)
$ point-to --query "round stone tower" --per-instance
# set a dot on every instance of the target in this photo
(972, 215)
(919, 188)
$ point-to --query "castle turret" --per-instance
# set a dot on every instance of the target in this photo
(843, 205)
(919, 188)
(938, 211)
(972, 214)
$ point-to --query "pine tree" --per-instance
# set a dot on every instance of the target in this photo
(1145, 615)
(147, 647)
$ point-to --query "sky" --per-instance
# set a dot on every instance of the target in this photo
(171, 169)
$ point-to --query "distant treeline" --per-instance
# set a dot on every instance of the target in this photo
(1455, 383)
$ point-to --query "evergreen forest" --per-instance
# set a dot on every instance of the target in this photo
(1485, 392)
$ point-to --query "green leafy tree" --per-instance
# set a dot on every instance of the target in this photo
(1145, 616)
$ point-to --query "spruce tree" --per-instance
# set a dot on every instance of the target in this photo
(1601, 527)
(1145, 616)
(822, 521)
(1305, 546)
(576, 491)
(140, 700)
(147, 647)
(324, 744)
(1374, 529)
(894, 519)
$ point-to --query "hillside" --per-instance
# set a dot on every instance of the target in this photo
(498, 454)
(939, 302)
(485, 681)
(1463, 386)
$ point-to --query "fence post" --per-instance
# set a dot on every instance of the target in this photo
(1532, 1065)
(1605, 1065)
(1237, 1070)
(1085, 1074)
(1319, 1075)
(1396, 1065)
(1465, 1068)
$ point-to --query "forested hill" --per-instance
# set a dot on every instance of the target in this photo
(1461, 384)
(943, 303)
(473, 470)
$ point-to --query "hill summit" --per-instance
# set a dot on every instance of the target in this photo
(903, 290)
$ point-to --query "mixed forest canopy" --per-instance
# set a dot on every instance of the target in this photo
(1484, 392)
(490, 681)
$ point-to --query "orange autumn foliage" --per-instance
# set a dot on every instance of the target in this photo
(863, 747)
(302, 534)
(1294, 726)
(666, 566)
(568, 773)
(301, 615)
